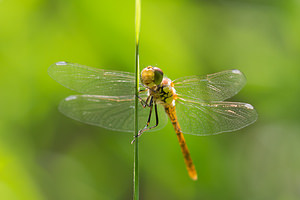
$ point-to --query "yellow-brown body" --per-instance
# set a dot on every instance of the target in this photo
(165, 94)
(170, 110)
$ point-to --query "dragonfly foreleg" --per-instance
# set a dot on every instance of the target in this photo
(144, 103)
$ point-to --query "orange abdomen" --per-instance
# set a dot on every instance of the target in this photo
(170, 110)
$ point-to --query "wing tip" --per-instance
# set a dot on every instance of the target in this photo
(236, 71)
(52, 67)
(70, 98)
(61, 63)
(249, 106)
(241, 76)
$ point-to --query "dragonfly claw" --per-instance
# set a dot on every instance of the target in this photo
(136, 136)
(134, 139)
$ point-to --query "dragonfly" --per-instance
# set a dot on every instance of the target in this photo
(194, 104)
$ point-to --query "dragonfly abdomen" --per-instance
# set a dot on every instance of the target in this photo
(170, 110)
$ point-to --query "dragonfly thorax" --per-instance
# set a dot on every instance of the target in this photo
(165, 93)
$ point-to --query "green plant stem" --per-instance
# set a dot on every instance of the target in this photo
(137, 71)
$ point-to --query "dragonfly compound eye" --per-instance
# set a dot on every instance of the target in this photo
(158, 75)
(151, 76)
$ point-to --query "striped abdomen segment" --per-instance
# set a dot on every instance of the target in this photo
(170, 110)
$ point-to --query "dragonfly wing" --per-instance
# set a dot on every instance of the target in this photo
(199, 118)
(212, 87)
(110, 112)
(88, 80)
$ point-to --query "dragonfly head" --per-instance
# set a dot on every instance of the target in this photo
(151, 76)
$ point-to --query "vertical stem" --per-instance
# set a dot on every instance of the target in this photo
(137, 71)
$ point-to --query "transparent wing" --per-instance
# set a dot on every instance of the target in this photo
(110, 112)
(212, 87)
(199, 118)
(88, 80)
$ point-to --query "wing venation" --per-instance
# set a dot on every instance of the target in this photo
(110, 112)
(89, 80)
(213, 87)
(201, 118)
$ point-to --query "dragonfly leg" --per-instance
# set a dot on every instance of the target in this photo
(146, 128)
(156, 117)
(144, 103)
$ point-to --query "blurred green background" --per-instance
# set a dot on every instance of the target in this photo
(45, 155)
